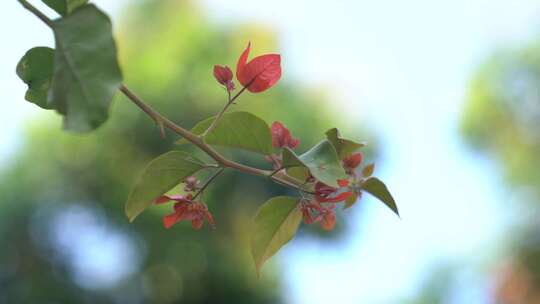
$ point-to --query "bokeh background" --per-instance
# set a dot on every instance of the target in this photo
(447, 93)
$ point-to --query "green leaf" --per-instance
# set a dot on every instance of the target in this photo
(351, 200)
(36, 69)
(300, 173)
(344, 147)
(86, 71)
(321, 160)
(237, 130)
(160, 176)
(64, 7)
(276, 224)
(378, 189)
(368, 170)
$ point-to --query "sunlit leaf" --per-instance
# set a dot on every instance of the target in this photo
(36, 69)
(275, 224)
(237, 130)
(344, 147)
(160, 176)
(378, 189)
(321, 160)
(86, 71)
(64, 7)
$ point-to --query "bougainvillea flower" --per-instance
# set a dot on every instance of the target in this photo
(328, 220)
(224, 75)
(351, 162)
(281, 137)
(166, 198)
(314, 212)
(325, 193)
(260, 73)
(186, 210)
(191, 184)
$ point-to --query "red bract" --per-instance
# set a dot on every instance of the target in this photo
(328, 221)
(324, 193)
(260, 73)
(313, 212)
(186, 210)
(224, 75)
(281, 137)
(351, 162)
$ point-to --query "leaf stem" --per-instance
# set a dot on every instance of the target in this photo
(207, 183)
(36, 12)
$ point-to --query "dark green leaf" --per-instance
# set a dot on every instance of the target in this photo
(344, 147)
(64, 7)
(160, 176)
(378, 189)
(86, 72)
(276, 224)
(36, 68)
(321, 160)
(237, 130)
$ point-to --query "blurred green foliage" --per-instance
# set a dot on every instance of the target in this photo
(501, 119)
(61, 188)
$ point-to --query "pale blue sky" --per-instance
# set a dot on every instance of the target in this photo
(401, 66)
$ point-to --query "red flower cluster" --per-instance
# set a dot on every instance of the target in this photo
(281, 137)
(321, 209)
(185, 209)
(258, 75)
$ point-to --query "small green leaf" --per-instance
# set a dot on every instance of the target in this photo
(344, 147)
(321, 160)
(300, 173)
(64, 7)
(86, 71)
(368, 170)
(276, 224)
(351, 200)
(160, 176)
(237, 130)
(378, 189)
(36, 69)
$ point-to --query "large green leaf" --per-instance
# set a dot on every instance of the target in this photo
(238, 130)
(86, 71)
(64, 7)
(321, 160)
(276, 224)
(344, 147)
(378, 189)
(160, 176)
(36, 69)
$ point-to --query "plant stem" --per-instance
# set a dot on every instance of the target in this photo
(224, 162)
(162, 122)
(207, 183)
(220, 114)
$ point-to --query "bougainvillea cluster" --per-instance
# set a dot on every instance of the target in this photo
(326, 175)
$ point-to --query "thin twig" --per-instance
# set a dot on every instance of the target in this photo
(37, 12)
(207, 183)
(230, 101)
